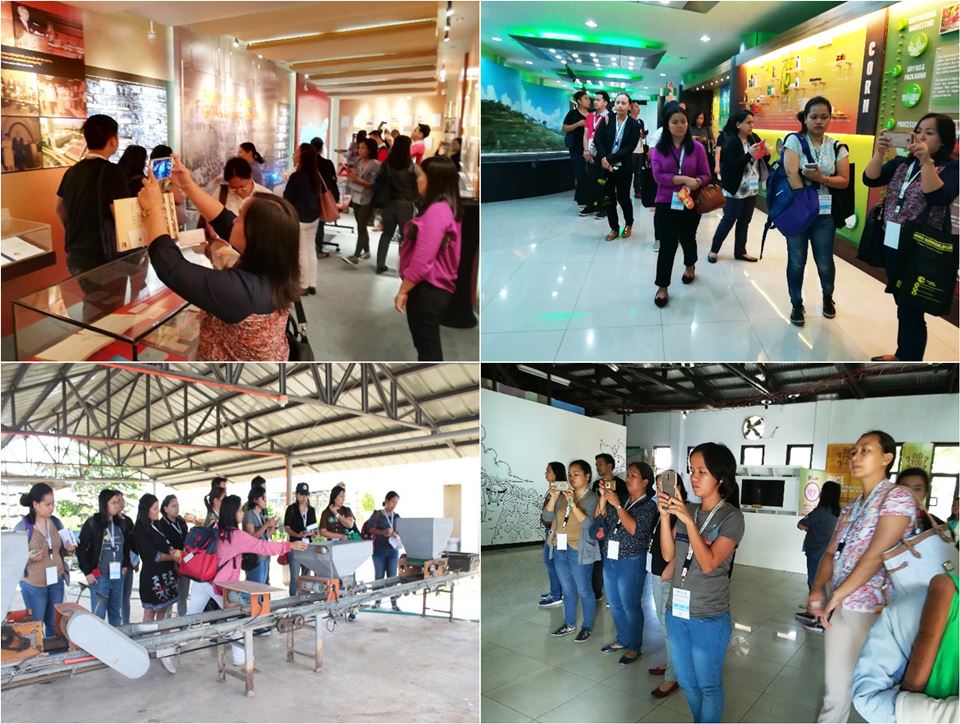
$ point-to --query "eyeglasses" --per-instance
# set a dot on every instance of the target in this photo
(241, 187)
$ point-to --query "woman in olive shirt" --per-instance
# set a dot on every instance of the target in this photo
(574, 549)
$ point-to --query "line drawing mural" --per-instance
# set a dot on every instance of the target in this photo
(510, 506)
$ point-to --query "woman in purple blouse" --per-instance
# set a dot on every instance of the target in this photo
(680, 167)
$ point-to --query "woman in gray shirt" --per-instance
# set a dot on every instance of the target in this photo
(361, 180)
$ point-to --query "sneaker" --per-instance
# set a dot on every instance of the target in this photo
(829, 308)
(586, 211)
(814, 627)
(394, 606)
(546, 594)
(550, 602)
(656, 245)
(351, 260)
(805, 618)
(601, 214)
(564, 630)
(323, 254)
(610, 648)
(352, 616)
(796, 315)
(167, 663)
(583, 635)
(365, 255)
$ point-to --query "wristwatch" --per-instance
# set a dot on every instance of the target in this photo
(619, 507)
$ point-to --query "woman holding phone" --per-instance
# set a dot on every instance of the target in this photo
(743, 159)
(812, 158)
(575, 550)
(702, 544)
(873, 523)
(926, 179)
(556, 473)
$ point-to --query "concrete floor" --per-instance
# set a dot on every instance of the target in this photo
(773, 670)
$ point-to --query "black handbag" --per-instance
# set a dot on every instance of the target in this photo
(648, 187)
(300, 350)
(381, 188)
(249, 561)
(870, 250)
(926, 269)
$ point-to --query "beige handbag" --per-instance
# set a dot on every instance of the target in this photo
(915, 560)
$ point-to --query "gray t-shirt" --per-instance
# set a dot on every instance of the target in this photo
(251, 517)
(820, 524)
(709, 592)
(111, 551)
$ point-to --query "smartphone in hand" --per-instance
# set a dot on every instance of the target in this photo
(668, 482)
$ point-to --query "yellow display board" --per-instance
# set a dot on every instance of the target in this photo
(838, 469)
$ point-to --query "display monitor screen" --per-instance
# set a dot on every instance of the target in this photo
(768, 493)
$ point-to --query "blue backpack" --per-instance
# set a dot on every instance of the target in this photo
(790, 211)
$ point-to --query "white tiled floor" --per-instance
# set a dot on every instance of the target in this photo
(553, 289)
(527, 675)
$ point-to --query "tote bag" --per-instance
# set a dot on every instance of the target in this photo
(926, 266)
(328, 205)
(914, 561)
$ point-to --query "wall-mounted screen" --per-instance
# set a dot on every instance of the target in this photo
(768, 493)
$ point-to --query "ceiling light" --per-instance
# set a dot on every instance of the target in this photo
(529, 62)
(543, 375)
(663, 75)
(236, 42)
(551, 50)
(259, 57)
(591, 24)
(495, 39)
(705, 38)
(593, 55)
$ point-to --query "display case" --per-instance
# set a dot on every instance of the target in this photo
(25, 247)
(120, 310)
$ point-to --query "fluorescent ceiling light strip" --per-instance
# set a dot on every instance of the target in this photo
(298, 36)
(339, 57)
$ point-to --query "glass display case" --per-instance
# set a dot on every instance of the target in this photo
(25, 247)
(120, 310)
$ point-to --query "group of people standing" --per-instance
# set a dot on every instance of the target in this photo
(112, 548)
(612, 524)
(608, 146)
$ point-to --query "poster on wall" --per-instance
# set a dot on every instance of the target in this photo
(19, 93)
(811, 483)
(138, 104)
(917, 455)
(62, 97)
(838, 469)
(62, 141)
(21, 144)
(47, 28)
(513, 464)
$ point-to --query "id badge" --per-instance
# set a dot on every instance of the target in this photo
(675, 203)
(826, 204)
(561, 541)
(753, 184)
(52, 575)
(681, 603)
(891, 235)
(114, 570)
(613, 550)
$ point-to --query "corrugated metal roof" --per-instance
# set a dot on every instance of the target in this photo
(209, 419)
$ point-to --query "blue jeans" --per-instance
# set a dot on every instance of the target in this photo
(107, 599)
(698, 646)
(739, 212)
(813, 560)
(127, 592)
(41, 600)
(623, 581)
(819, 236)
(259, 574)
(912, 323)
(385, 563)
(555, 590)
(576, 584)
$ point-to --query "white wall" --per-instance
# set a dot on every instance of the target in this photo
(772, 541)
(518, 439)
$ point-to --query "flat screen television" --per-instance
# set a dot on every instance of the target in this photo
(767, 492)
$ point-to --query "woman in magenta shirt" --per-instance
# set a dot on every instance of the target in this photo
(680, 167)
(430, 256)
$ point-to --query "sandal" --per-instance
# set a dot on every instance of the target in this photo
(661, 301)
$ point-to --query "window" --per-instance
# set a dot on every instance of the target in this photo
(945, 479)
(662, 458)
(896, 463)
(800, 456)
(751, 454)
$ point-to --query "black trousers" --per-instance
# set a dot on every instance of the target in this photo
(580, 178)
(425, 307)
(637, 166)
(676, 228)
(619, 193)
(592, 195)
(739, 212)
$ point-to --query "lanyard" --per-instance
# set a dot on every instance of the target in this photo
(49, 539)
(176, 524)
(907, 180)
(165, 539)
(817, 151)
(689, 558)
(390, 519)
(570, 509)
(683, 150)
(113, 544)
(305, 516)
(618, 137)
(628, 509)
(860, 508)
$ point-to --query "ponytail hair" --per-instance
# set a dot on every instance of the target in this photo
(815, 101)
(36, 494)
(247, 146)
(228, 516)
(214, 494)
(723, 466)
(390, 496)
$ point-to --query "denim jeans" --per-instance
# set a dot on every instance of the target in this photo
(819, 236)
(107, 599)
(813, 560)
(41, 600)
(296, 568)
(661, 594)
(259, 574)
(385, 563)
(739, 212)
(699, 646)
(555, 590)
(623, 580)
(576, 585)
(127, 592)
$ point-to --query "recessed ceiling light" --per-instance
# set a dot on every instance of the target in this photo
(593, 55)
(591, 24)
(705, 38)
(495, 39)
(529, 62)
(551, 50)
(663, 75)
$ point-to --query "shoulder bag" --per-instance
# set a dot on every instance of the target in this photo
(108, 226)
(926, 270)
(300, 350)
(381, 188)
(870, 249)
(709, 198)
(328, 205)
(915, 560)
